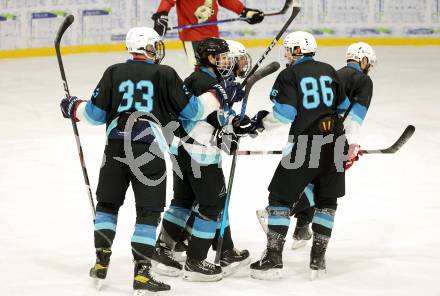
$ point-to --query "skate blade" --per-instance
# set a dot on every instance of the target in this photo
(162, 269)
(146, 292)
(179, 256)
(267, 275)
(198, 277)
(296, 244)
(98, 283)
(262, 217)
(317, 274)
(235, 267)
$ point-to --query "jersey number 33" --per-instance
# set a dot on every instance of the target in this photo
(144, 104)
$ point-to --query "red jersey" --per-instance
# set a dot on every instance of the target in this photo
(185, 16)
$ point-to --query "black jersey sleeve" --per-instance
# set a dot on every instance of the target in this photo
(99, 105)
(173, 91)
(362, 99)
(285, 97)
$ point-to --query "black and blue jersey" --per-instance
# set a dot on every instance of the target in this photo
(359, 89)
(303, 93)
(138, 85)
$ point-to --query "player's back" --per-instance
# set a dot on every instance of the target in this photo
(137, 85)
(319, 92)
(140, 86)
(200, 82)
(356, 84)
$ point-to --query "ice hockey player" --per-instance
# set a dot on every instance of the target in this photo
(308, 96)
(243, 61)
(139, 85)
(203, 181)
(358, 86)
(199, 11)
(243, 64)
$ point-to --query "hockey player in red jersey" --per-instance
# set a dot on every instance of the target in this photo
(199, 11)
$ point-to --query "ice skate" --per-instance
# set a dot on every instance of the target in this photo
(179, 252)
(317, 256)
(144, 283)
(201, 271)
(99, 271)
(270, 266)
(301, 235)
(164, 263)
(233, 260)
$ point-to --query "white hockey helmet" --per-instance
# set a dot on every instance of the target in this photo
(146, 41)
(243, 61)
(304, 40)
(357, 51)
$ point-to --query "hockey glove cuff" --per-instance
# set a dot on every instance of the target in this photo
(242, 128)
(68, 107)
(354, 151)
(253, 16)
(257, 125)
(225, 140)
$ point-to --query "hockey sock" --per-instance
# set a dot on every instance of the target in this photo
(105, 224)
(323, 221)
(189, 225)
(203, 232)
(305, 202)
(279, 219)
(143, 241)
(228, 244)
(173, 224)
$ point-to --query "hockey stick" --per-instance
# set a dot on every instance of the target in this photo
(296, 9)
(265, 71)
(404, 137)
(286, 6)
(66, 24)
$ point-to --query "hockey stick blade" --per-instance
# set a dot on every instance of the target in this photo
(283, 10)
(406, 135)
(63, 27)
(66, 24)
(263, 72)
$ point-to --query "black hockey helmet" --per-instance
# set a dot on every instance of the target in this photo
(210, 46)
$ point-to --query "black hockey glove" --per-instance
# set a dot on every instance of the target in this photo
(68, 106)
(242, 128)
(229, 92)
(225, 140)
(257, 123)
(253, 16)
(160, 22)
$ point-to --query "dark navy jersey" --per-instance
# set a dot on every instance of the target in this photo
(359, 89)
(141, 86)
(303, 93)
(198, 135)
(137, 86)
(200, 81)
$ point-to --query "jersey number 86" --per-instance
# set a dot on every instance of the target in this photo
(311, 97)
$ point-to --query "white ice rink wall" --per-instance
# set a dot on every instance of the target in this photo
(33, 23)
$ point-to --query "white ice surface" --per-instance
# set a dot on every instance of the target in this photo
(386, 238)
